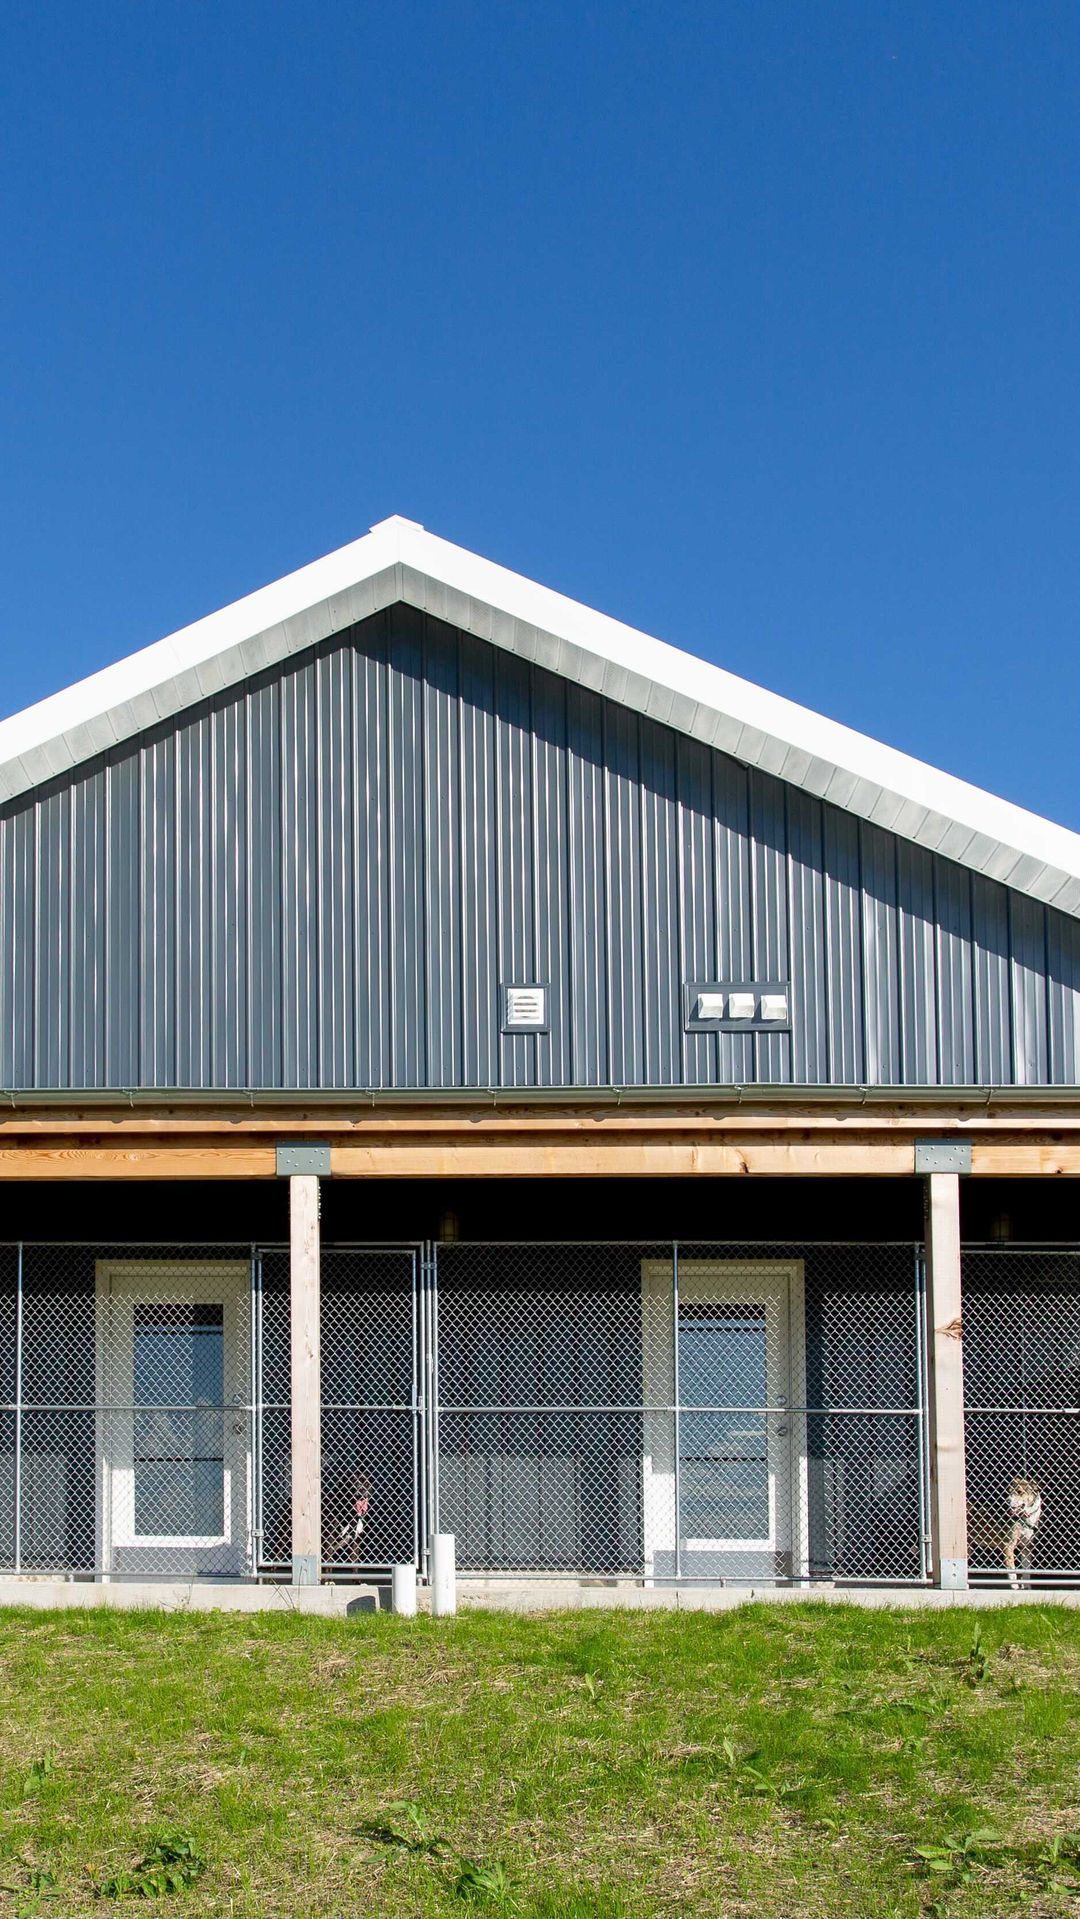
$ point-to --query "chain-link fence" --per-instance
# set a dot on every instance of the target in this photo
(690, 1412)
(128, 1425)
(145, 1410)
(1022, 1413)
(652, 1412)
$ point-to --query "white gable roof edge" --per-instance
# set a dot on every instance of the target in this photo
(399, 560)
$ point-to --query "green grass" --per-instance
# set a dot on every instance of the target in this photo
(773, 1761)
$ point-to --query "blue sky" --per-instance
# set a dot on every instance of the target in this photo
(756, 325)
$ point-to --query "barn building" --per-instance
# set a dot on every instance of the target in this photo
(470, 1067)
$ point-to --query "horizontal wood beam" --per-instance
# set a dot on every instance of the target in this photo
(1022, 1159)
(571, 1152)
(180, 1160)
(614, 1158)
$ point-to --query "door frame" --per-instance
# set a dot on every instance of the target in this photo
(662, 1281)
(183, 1282)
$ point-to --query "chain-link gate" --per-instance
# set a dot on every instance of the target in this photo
(128, 1436)
(1022, 1413)
(373, 1478)
(690, 1412)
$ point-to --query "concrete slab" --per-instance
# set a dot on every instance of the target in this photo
(552, 1596)
(497, 1595)
(202, 1595)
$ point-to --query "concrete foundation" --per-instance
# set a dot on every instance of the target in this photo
(498, 1595)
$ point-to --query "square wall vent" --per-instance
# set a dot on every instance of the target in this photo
(524, 1009)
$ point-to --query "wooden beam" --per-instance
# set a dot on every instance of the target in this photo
(306, 1379)
(557, 1150)
(1021, 1159)
(948, 1475)
(613, 1158)
(204, 1159)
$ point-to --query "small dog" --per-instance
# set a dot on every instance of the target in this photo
(344, 1524)
(1025, 1512)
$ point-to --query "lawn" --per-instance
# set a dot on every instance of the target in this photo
(791, 1761)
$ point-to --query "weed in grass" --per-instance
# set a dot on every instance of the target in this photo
(487, 1884)
(749, 1776)
(577, 1902)
(958, 1855)
(742, 1769)
(406, 1829)
(592, 1686)
(1056, 1863)
(172, 1865)
(978, 1659)
(38, 1773)
(37, 1880)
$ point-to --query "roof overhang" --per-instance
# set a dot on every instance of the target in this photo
(398, 561)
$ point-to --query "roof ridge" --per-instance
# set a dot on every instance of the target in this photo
(399, 560)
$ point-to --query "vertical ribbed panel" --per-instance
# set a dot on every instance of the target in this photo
(370, 930)
(661, 992)
(589, 984)
(1027, 944)
(475, 786)
(880, 963)
(993, 987)
(918, 979)
(550, 866)
(266, 1005)
(956, 1030)
(1063, 970)
(806, 903)
(771, 947)
(324, 878)
(734, 940)
(625, 926)
(697, 898)
(843, 933)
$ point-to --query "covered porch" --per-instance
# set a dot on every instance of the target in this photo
(676, 1381)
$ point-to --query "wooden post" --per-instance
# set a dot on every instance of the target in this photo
(948, 1488)
(304, 1344)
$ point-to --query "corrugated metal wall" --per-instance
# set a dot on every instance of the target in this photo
(322, 880)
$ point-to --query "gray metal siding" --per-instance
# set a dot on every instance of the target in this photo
(322, 879)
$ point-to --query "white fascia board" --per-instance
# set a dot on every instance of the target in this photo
(399, 560)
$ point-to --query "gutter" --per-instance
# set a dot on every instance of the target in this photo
(976, 1098)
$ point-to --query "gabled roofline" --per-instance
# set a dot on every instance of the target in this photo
(400, 561)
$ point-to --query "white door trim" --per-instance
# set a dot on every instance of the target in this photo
(119, 1285)
(778, 1285)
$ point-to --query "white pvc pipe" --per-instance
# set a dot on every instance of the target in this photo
(403, 1590)
(443, 1568)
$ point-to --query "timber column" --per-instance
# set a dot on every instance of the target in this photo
(302, 1166)
(948, 1477)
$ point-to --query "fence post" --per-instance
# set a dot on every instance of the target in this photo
(305, 1370)
(17, 1461)
(948, 1489)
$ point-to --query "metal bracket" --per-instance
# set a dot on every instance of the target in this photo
(953, 1575)
(300, 1156)
(305, 1569)
(943, 1156)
